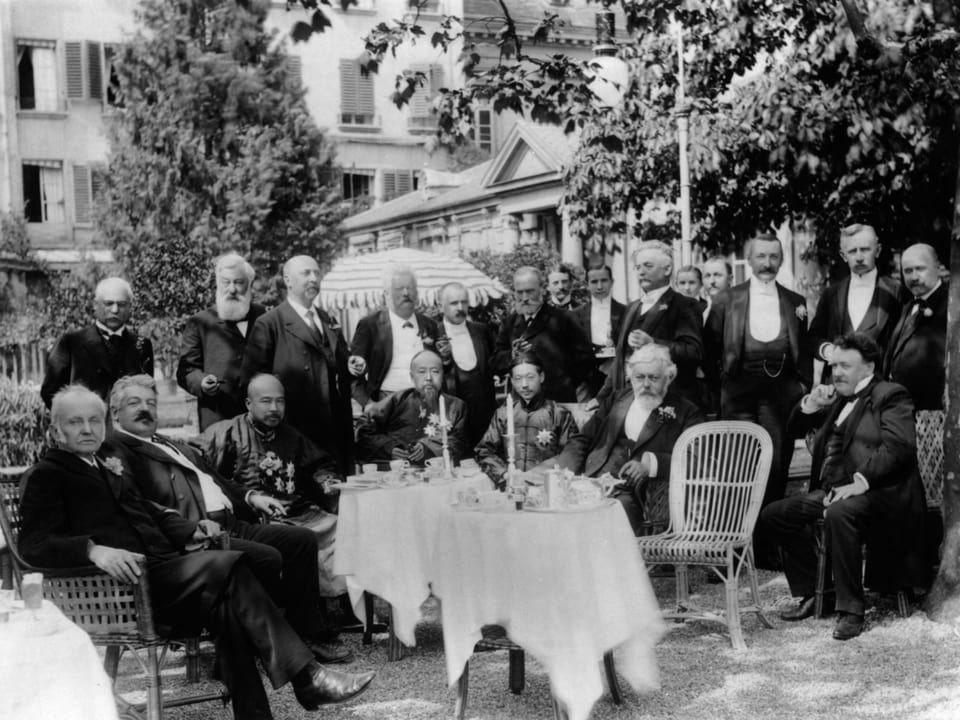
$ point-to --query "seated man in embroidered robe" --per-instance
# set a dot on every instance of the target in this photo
(260, 452)
(408, 425)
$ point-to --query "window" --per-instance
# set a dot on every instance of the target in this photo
(356, 95)
(90, 73)
(37, 75)
(358, 185)
(43, 191)
(88, 184)
(424, 6)
(422, 115)
(399, 182)
(483, 129)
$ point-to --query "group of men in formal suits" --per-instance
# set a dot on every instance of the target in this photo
(750, 344)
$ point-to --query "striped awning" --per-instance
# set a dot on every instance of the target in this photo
(357, 281)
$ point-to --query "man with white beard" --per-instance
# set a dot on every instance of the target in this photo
(214, 340)
(632, 436)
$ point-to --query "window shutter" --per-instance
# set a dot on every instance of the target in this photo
(389, 185)
(98, 178)
(349, 104)
(404, 182)
(82, 195)
(95, 70)
(295, 68)
(420, 101)
(364, 92)
(73, 52)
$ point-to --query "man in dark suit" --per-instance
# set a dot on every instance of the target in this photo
(467, 373)
(757, 338)
(96, 355)
(302, 345)
(864, 301)
(385, 341)
(633, 436)
(79, 510)
(176, 476)
(560, 288)
(916, 353)
(864, 473)
(214, 340)
(661, 315)
(600, 319)
(551, 334)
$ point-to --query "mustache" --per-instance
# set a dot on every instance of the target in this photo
(143, 416)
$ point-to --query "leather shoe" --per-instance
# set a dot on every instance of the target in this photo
(317, 685)
(801, 612)
(848, 626)
(328, 653)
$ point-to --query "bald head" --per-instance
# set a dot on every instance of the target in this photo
(921, 269)
(301, 275)
(266, 400)
(454, 302)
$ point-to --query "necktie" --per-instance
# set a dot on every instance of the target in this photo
(320, 337)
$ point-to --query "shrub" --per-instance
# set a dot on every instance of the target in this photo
(23, 423)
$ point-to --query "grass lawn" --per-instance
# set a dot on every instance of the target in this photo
(899, 668)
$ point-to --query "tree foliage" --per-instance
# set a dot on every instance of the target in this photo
(212, 149)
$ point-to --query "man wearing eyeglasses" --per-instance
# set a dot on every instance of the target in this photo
(96, 355)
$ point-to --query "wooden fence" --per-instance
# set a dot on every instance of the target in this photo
(23, 362)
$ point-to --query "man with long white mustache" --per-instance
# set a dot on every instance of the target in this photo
(633, 436)
(214, 340)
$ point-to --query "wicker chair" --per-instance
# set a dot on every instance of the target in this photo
(718, 474)
(930, 455)
(114, 614)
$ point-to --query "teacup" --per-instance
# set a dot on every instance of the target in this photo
(369, 468)
(434, 463)
(398, 465)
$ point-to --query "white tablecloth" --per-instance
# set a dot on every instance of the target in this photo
(49, 670)
(566, 586)
(385, 545)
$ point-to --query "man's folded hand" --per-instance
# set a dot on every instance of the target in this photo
(117, 563)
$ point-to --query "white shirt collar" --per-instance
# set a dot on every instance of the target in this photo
(107, 331)
(760, 287)
(862, 384)
(649, 298)
(398, 322)
(454, 329)
(301, 310)
(935, 288)
(868, 279)
(602, 302)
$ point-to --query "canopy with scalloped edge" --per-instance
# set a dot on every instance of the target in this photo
(357, 281)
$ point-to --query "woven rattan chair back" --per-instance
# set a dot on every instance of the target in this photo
(718, 475)
(930, 455)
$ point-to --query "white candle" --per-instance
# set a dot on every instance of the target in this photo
(443, 414)
(511, 448)
(447, 465)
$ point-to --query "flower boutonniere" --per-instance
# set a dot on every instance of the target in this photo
(544, 438)
(801, 311)
(661, 307)
(927, 312)
(666, 413)
(114, 465)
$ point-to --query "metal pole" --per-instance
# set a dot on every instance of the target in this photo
(683, 118)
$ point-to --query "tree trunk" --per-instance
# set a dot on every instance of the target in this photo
(944, 601)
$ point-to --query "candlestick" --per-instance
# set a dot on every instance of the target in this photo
(447, 466)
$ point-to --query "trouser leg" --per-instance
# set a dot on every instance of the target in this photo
(787, 524)
(248, 625)
(845, 524)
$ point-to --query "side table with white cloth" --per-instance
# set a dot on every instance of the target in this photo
(49, 669)
(385, 544)
(567, 587)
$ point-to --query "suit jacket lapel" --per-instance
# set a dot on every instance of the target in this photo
(789, 320)
(904, 330)
(737, 314)
(386, 336)
(296, 325)
(853, 419)
(618, 416)
(840, 309)
(650, 319)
